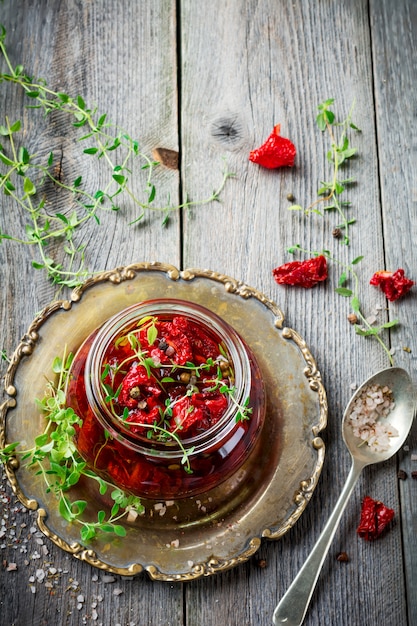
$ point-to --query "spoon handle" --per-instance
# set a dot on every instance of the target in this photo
(293, 606)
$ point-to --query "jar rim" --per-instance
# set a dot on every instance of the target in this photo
(236, 347)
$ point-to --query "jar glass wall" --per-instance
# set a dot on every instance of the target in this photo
(171, 399)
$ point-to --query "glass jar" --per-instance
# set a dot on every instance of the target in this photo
(171, 399)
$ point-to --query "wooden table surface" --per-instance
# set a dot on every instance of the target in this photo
(210, 80)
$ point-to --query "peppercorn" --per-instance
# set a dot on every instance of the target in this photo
(224, 366)
(402, 475)
(185, 377)
(342, 557)
(261, 563)
(352, 318)
(414, 474)
(290, 197)
(337, 233)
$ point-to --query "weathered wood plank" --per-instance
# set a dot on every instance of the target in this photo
(245, 66)
(121, 57)
(394, 53)
(259, 65)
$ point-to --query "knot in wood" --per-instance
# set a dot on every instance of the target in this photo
(227, 130)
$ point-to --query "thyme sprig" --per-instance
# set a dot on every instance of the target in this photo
(349, 276)
(54, 456)
(26, 178)
(163, 430)
(158, 431)
(340, 152)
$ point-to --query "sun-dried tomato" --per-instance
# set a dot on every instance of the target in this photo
(176, 335)
(147, 391)
(302, 273)
(275, 152)
(137, 377)
(375, 517)
(393, 284)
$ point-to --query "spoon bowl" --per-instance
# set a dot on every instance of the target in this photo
(293, 606)
(401, 416)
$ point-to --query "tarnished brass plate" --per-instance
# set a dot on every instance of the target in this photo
(190, 537)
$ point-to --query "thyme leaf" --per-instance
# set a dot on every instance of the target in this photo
(54, 457)
(340, 152)
(26, 178)
(350, 275)
(190, 374)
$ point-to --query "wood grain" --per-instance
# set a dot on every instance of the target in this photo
(125, 63)
(210, 80)
(394, 53)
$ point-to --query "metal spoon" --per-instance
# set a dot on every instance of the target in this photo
(293, 606)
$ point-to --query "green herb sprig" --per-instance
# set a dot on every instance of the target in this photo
(350, 276)
(54, 457)
(4, 356)
(340, 152)
(158, 431)
(149, 324)
(26, 178)
(162, 430)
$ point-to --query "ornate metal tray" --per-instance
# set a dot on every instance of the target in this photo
(191, 537)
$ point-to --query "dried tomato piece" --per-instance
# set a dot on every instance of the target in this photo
(302, 273)
(216, 404)
(375, 517)
(137, 378)
(203, 346)
(174, 334)
(393, 284)
(137, 419)
(275, 152)
(188, 414)
(198, 412)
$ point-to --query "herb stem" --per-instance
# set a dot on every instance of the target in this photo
(355, 297)
(353, 294)
(46, 227)
(339, 153)
(55, 458)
